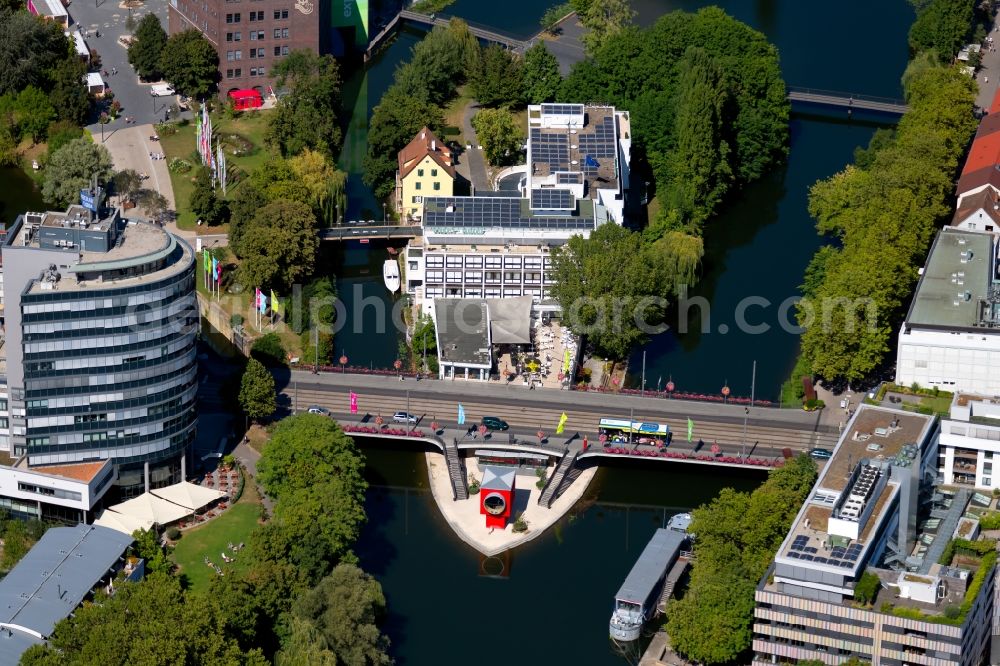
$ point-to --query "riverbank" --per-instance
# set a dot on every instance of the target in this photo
(464, 518)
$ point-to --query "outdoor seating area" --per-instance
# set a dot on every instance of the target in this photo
(547, 363)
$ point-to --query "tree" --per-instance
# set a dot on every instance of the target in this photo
(499, 134)
(30, 47)
(553, 15)
(307, 116)
(943, 26)
(60, 133)
(127, 183)
(147, 546)
(155, 203)
(497, 78)
(279, 246)
(242, 209)
(171, 628)
(145, 52)
(268, 350)
(611, 288)
(34, 113)
(68, 93)
(327, 187)
(340, 615)
(190, 63)
(424, 340)
(541, 75)
(603, 19)
(867, 588)
(257, 393)
(204, 202)
(71, 168)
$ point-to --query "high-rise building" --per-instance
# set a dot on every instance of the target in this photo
(100, 324)
(863, 572)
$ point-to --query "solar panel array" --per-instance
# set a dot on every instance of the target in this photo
(552, 199)
(599, 143)
(488, 212)
(550, 148)
(569, 178)
(562, 109)
(839, 555)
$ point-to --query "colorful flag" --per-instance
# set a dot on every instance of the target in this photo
(206, 260)
(215, 269)
(263, 303)
(354, 402)
(566, 362)
(256, 298)
(218, 271)
(562, 423)
(275, 303)
(690, 429)
(461, 414)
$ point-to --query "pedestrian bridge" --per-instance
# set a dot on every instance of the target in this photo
(848, 101)
(430, 21)
(369, 231)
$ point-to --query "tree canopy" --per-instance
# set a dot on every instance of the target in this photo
(884, 210)
(306, 117)
(30, 49)
(942, 26)
(738, 534)
(71, 168)
(279, 246)
(145, 52)
(541, 75)
(499, 134)
(603, 19)
(497, 77)
(190, 63)
(257, 394)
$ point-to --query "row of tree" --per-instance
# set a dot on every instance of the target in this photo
(737, 537)
(300, 600)
(884, 211)
(186, 59)
(943, 26)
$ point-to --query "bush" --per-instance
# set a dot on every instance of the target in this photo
(952, 612)
(269, 350)
(236, 320)
(474, 487)
(173, 533)
(520, 525)
(867, 588)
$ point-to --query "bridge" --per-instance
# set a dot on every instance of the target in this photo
(887, 105)
(369, 231)
(430, 21)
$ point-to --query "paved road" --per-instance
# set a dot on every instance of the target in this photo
(474, 156)
(988, 76)
(567, 45)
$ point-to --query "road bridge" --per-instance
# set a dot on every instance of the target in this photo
(430, 21)
(369, 231)
(849, 101)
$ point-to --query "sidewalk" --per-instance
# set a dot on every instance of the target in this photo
(474, 155)
(988, 76)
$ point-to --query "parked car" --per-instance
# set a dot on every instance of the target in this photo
(821, 454)
(403, 417)
(316, 409)
(493, 423)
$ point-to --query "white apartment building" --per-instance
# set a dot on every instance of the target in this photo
(951, 336)
(970, 439)
(498, 244)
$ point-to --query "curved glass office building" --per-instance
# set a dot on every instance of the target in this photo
(100, 326)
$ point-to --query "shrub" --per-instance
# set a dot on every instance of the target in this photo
(236, 320)
(952, 612)
(269, 350)
(177, 165)
(173, 533)
(520, 525)
(474, 487)
(867, 588)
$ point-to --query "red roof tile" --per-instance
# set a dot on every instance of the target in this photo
(423, 144)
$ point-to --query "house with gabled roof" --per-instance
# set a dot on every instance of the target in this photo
(426, 168)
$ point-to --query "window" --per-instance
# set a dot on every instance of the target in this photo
(229, 73)
(280, 14)
(987, 481)
(237, 36)
(277, 33)
(418, 199)
(229, 56)
(434, 172)
(238, 54)
(229, 36)
(237, 73)
(437, 186)
(284, 33)
(260, 70)
(256, 16)
(277, 50)
(284, 50)
(253, 70)
(420, 173)
(233, 18)
(260, 35)
(418, 184)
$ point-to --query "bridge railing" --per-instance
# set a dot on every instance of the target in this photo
(846, 95)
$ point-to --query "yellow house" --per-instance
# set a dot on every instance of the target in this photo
(426, 169)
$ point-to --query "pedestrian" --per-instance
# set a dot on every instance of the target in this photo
(986, 79)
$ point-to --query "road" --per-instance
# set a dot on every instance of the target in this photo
(528, 412)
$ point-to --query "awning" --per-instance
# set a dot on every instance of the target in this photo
(510, 320)
(188, 495)
(152, 509)
(122, 522)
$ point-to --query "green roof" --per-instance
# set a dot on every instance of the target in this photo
(957, 277)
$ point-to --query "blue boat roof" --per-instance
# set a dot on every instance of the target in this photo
(661, 551)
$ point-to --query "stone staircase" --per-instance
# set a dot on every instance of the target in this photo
(456, 471)
(560, 478)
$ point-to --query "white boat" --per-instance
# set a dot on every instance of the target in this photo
(636, 601)
(680, 522)
(390, 275)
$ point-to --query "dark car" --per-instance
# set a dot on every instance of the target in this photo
(493, 423)
(821, 454)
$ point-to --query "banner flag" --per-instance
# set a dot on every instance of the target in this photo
(562, 423)
(275, 303)
(690, 429)
(461, 414)
(206, 257)
(354, 402)
(566, 362)
(263, 303)
(215, 269)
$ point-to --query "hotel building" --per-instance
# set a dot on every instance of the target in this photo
(98, 358)
(875, 510)
(498, 244)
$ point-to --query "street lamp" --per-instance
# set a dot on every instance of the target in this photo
(383, 213)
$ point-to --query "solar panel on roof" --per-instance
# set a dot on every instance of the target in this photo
(795, 555)
(552, 199)
(821, 560)
(807, 557)
(810, 549)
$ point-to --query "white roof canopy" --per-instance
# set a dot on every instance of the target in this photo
(150, 508)
(188, 495)
(122, 522)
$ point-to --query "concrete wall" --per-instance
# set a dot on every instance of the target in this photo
(951, 361)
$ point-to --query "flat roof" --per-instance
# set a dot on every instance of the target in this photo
(500, 212)
(651, 567)
(85, 472)
(875, 434)
(57, 574)
(954, 281)
(462, 326)
(590, 149)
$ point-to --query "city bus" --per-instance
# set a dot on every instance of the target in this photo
(625, 430)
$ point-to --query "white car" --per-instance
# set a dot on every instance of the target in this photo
(316, 409)
(403, 417)
(161, 90)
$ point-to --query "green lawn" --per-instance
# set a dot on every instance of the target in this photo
(212, 538)
(181, 144)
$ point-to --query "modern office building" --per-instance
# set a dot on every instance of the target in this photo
(950, 338)
(100, 323)
(875, 510)
(970, 438)
(61, 571)
(498, 244)
(55, 493)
